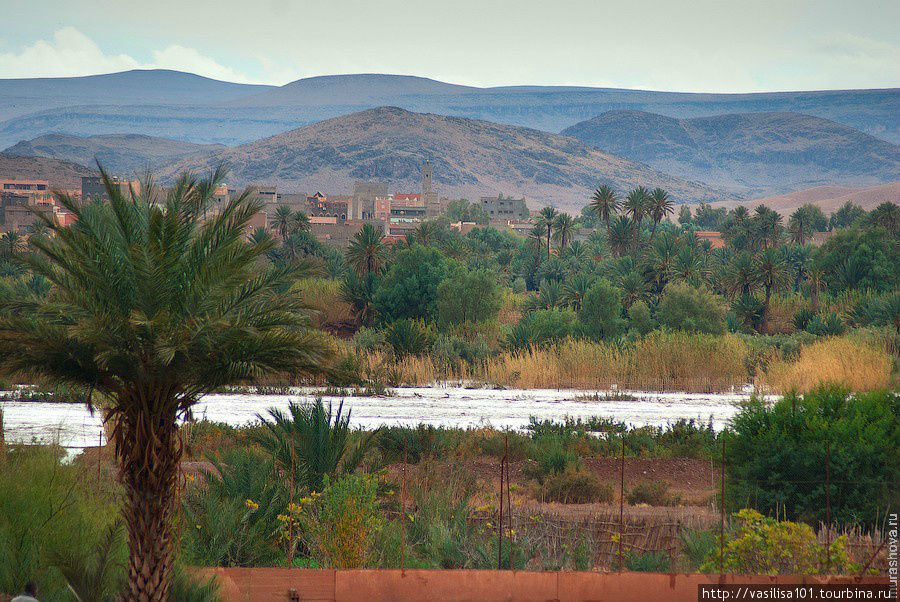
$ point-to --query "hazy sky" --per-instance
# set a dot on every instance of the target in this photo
(688, 45)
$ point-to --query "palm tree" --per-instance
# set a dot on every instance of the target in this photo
(887, 215)
(366, 253)
(575, 289)
(635, 205)
(620, 236)
(800, 227)
(153, 307)
(605, 204)
(359, 292)
(283, 221)
(300, 222)
(660, 206)
(771, 272)
(768, 226)
(740, 277)
(426, 234)
(815, 279)
(259, 236)
(311, 442)
(547, 220)
(11, 243)
(564, 227)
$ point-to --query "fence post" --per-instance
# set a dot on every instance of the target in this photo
(99, 448)
(622, 503)
(722, 519)
(2, 440)
(500, 525)
(508, 501)
(291, 512)
(828, 506)
(403, 513)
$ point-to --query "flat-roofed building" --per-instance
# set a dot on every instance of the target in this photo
(36, 189)
(92, 187)
(501, 207)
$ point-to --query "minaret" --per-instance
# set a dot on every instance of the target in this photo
(429, 196)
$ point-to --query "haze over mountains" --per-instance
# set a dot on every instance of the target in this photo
(194, 109)
(748, 153)
(470, 157)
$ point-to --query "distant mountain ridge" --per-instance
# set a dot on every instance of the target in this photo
(63, 175)
(194, 109)
(122, 154)
(749, 153)
(470, 157)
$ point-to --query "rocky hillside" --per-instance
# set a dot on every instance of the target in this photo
(61, 174)
(121, 154)
(828, 198)
(470, 158)
(748, 153)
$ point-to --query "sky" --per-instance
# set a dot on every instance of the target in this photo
(676, 45)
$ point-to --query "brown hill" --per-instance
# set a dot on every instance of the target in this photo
(61, 174)
(470, 157)
(121, 154)
(828, 198)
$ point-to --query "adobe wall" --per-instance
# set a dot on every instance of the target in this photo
(272, 584)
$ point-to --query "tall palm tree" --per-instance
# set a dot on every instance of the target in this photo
(767, 225)
(605, 204)
(11, 243)
(426, 234)
(771, 272)
(282, 221)
(660, 206)
(887, 215)
(800, 226)
(366, 254)
(152, 307)
(300, 222)
(635, 206)
(740, 277)
(620, 235)
(564, 227)
(548, 220)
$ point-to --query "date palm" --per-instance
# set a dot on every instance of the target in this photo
(771, 272)
(605, 204)
(564, 227)
(620, 236)
(366, 253)
(635, 206)
(800, 226)
(151, 307)
(660, 206)
(11, 243)
(547, 219)
(282, 221)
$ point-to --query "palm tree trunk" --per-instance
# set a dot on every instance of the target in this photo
(150, 454)
(653, 230)
(548, 240)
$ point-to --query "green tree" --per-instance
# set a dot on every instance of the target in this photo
(660, 206)
(601, 312)
(639, 318)
(151, 308)
(547, 219)
(636, 205)
(564, 230)
(283, 221)
(605, 204)
(366, 253)
(684, 307)
(468, 297)
(847, 215)
(865, 258)
(771, 271)
(409, 288)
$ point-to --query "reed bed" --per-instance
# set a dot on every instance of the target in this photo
(844, 361)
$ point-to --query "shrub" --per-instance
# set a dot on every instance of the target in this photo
(340, 525)
(468, 297)
(830, 325)
(648, 562)
(542, 327)
(789, 477)
(765, 546)
(575, 486)
(549, 455)
(409, 289)
(639, 319)
(369, 339)
(696, 545)
(601, 311)
(802, 318)
(408, 337)
(419, 442)
(683, 307)
(653, 493)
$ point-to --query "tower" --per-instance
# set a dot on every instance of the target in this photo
(429, 196)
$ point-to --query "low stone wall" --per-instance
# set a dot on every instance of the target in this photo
(388, 585)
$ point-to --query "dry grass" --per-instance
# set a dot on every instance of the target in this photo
(837, 360)
(323, 295)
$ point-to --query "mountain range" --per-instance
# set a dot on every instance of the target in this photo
(190, 108)
(747, 153)
(471, 158)
(61, 174)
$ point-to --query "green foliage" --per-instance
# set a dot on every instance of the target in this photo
(683, 307)
(830, 325)
(765, 546)
(550, 454)
(468, 296)
(409, 289)
(542, 327)
(341, 524)
(417, 443)
(601, 312)
(408, 337)
(639, 318)
(860, 433)
(696, 545)
(863, 258)
(648, 562)
(311, 442)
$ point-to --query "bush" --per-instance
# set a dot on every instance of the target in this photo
(863, 432)
(765, 546)
(639, 319)
(648, 562)
(340, 525)
(549, 455)
(420, 442)
(696, 545)
(830, 325)
(409, 289)
(369, 339)
(601, 311)
(683, 307)
(575, 486)
(542, 327)
(653, 493)
(408, 337)
(466, 297)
